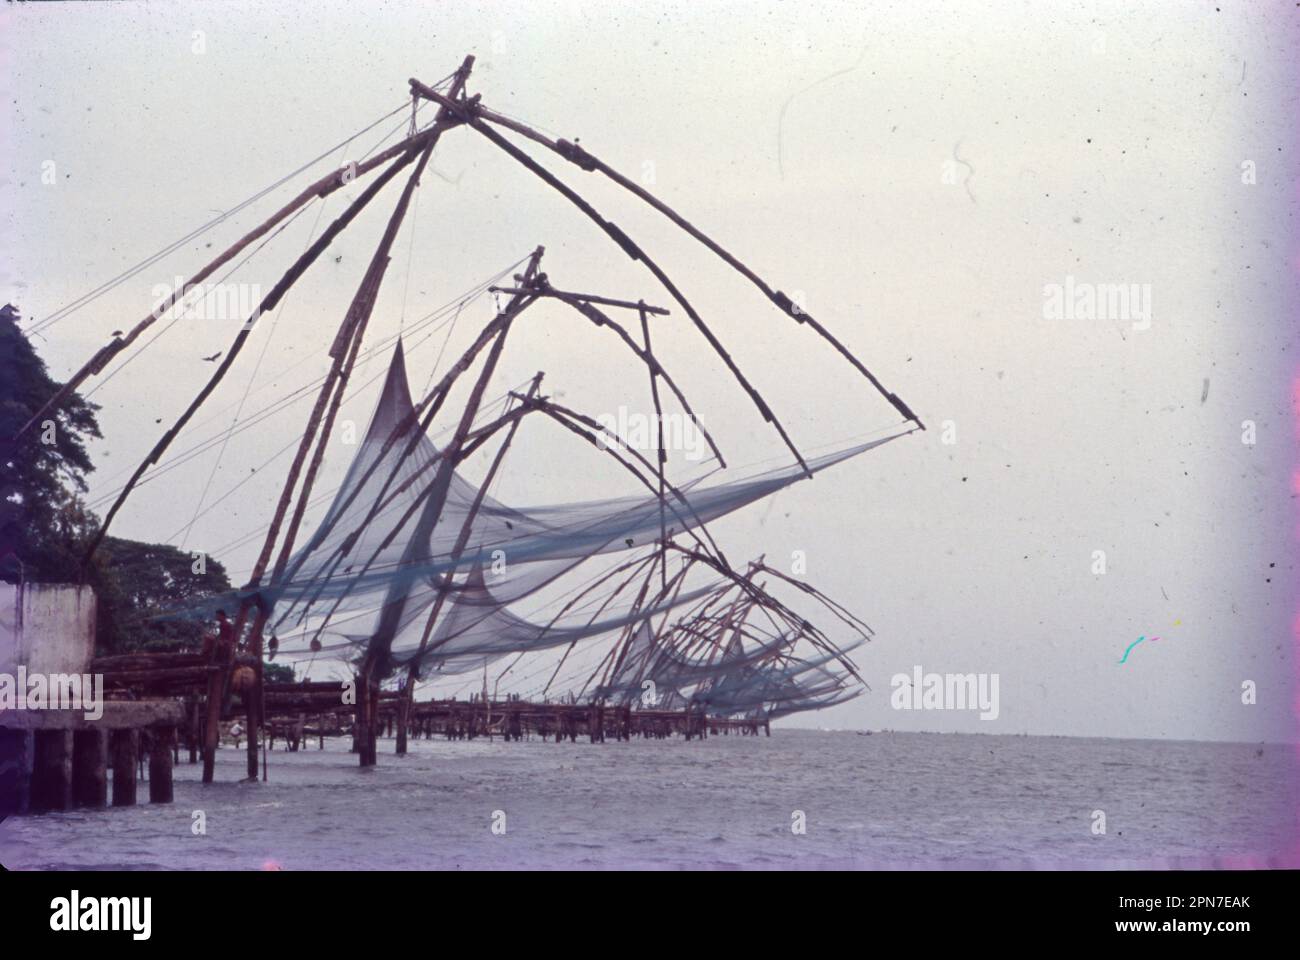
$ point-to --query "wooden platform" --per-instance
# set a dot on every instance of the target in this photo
(293, 713)
(59, 759)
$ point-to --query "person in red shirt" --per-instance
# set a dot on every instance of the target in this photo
(225, 638)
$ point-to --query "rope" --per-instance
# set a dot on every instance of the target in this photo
(410, 257)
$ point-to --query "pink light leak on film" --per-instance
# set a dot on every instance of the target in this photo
(1292, 856)
(1292, 320)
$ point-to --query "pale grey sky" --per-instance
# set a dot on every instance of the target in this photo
(919, 171)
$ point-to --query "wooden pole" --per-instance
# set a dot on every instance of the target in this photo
(193, 728)
(251, 723)
(584, 159)
(600, 319)
(486, 336)
(417, 549)
(466, 112)
(346, 346)
(587, 428)
(218, 675)
(403, 720)
(663, 455)
(160, 765)
(326, 185)
(354, 328)
(372, 720)
(458, 549)
(635, 566)
(589, 298)
(359, 717)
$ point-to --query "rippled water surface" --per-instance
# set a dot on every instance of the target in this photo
(887, 800)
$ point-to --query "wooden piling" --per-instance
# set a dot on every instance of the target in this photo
(192, 726)
(361, 686)
(160, 765)
(212, 729)
(251, 723)
(403, 722)
(90, 768)
(126, 749)
(367, 714)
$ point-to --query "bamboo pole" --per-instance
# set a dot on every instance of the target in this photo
(637, 253)
(584, 159)
(347, 343)
(430, 405)
(673, 587)
(663, 456)
(639, 562)
(458, 549)
(344, 351)
(575, 422)
(630, 631)
(363, 305)
(379, 654)
(602, 320)
(769, 603)
(468, 113)
(491, 331)
(321, 188)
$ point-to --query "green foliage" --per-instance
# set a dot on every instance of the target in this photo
(277, 673)
(152, 598)
(42, 473)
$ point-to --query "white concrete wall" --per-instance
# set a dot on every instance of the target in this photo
(46, 627)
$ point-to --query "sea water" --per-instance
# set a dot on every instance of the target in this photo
(800, 799)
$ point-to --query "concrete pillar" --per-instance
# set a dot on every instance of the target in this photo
(126, 751)
(90, 768)
(17, 753)
(52, 773)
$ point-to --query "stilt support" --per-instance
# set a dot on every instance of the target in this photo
(90, 768)
(52, 774)
(126, 751)
(18, 748)
(160, 765)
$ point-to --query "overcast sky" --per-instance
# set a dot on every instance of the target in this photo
(917, 172)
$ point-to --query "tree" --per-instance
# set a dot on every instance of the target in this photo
(153, 596)
(42, 473)
(277, 673)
